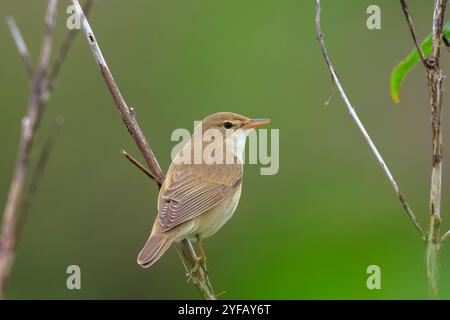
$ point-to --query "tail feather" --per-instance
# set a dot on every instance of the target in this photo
(155, 247)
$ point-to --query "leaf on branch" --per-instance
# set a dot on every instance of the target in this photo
(402, 69)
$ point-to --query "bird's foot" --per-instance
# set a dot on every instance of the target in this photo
(194, 269)
(203, 265)
(199, 262)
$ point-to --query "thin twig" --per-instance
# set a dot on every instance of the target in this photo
(21, 46)
(413, 33)
(37, 176)
(129, 119)
(358, 122)
(445, 237)
(29, 126)
(141, 167)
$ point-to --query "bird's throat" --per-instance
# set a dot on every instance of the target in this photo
(237, 144)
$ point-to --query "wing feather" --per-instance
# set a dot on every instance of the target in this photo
(190, 190)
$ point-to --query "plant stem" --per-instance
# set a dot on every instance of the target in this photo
(435, 78)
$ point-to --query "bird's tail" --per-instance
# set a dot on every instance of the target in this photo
(155, 247)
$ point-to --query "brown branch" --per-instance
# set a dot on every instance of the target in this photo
(358, 122)
(413, 33)
(141, 167)
(29, 126)
(129, 119)
(21, 46)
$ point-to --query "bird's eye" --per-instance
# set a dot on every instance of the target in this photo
(227, 125)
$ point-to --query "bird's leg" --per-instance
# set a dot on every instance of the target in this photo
(200, 261)
(194, 268)
(202, 253)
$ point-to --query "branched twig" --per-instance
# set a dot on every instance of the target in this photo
(128, 115)
(29, 126)
(141, 167)
(42, 84)
(358, 122)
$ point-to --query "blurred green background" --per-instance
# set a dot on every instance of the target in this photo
(308, 232)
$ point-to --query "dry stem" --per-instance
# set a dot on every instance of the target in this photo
(435, 78)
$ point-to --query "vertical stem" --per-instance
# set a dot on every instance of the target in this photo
(435, 78)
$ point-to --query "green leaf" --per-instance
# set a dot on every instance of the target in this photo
(402, 69)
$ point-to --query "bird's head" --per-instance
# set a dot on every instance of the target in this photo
(227, 121)
(232, 128)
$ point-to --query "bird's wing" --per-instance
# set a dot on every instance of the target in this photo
(190, 190)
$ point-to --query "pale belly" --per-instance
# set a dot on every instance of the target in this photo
(210, 222)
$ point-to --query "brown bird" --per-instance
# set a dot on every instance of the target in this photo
(198, 197)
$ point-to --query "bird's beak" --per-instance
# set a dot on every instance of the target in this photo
(252, 123)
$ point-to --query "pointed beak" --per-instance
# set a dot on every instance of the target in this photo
(252, 123)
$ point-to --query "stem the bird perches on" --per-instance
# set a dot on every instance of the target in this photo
(185, 249)
(361, 128)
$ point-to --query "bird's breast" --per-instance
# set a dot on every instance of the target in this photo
(210, 222)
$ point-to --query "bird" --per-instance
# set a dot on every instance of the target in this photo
(197, 198)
